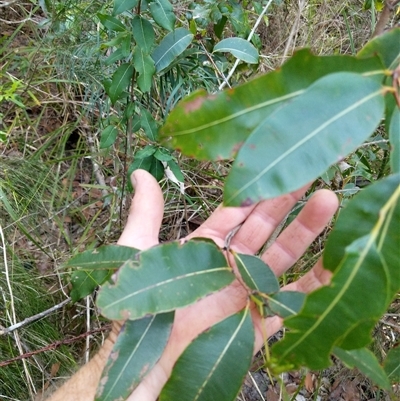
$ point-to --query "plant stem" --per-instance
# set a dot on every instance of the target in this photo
(231, 72)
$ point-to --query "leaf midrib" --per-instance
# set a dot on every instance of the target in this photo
(222, 354)
(166, 282)
(304, 140)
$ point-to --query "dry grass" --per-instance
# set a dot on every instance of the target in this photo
(64, 193)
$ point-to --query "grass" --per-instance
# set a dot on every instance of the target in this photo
(61, 194)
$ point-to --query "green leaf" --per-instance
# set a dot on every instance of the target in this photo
(139, 346)
(163, 155)
(147, 151)
(95, 267)
(156, 169)
(359, 218)
(282, 155)
(176, 170)
(114, 56)
(167, 277)
(286, 303)
(108, 136)
(148, 123)
(367, 4)
(143, 33)
(214, 365)
(256, 274)
(163, 13)
(122, 5)
(344, 301)
(392, 364)
(171, 47)
(144, 65)
(111, 23)
(214, 127)
(365, 361)
(84, 282)
(139, 163)
(386, 46)
(120, 81)
(361, 289)
(394, 137)
(238, 47)
(104, 257)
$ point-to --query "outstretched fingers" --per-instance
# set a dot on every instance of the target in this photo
(298, 236)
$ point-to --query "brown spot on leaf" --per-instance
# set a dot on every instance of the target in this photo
(236, 148)
(144, 370)
(247, 202)
(195, 104)
(125, 314)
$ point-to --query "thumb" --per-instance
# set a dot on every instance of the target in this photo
(146, 212)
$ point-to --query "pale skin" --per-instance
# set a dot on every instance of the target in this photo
(258, 222)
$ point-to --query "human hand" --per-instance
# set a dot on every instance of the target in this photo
(258, 222)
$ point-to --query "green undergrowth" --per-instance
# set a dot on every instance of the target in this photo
(31, 296)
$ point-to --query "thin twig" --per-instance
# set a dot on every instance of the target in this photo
(54, 345)
(7, 3)
(293, 31)
(384, 17)
(33, 318)
(259, 19)
(217, 71)
(373, 143)
(96, 167)
(256, 386)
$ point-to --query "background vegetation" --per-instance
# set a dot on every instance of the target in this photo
(62, 190)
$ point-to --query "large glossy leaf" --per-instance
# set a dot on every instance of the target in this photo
(337, 311)
(359, 218)
(240, 48)
(111, 23)
(213, 366)
(164, 278)
(394, 137)
(122, 5)
(303, 138)
(171, 47)
(387, 46)
(365, 361)
(144, 65)
(163, 13)
(138, 347)
(120, 81)
(256, 274)
(143, 33)
(344, 313)
(213, 127)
